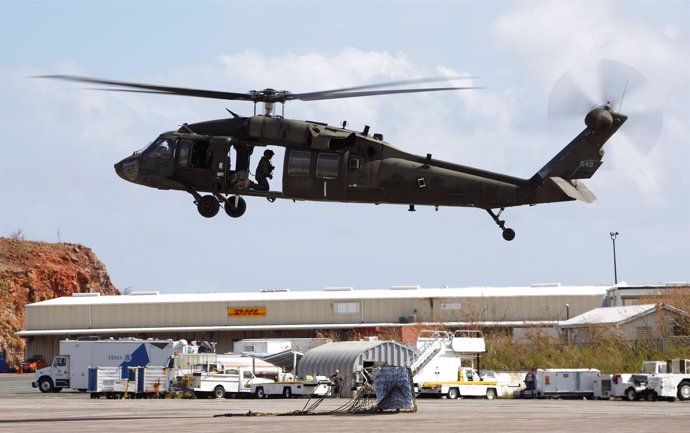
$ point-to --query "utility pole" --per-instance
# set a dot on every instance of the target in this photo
(614, 235)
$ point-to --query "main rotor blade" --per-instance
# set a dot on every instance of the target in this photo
(150, 88)
(340, 95)
(304, 95)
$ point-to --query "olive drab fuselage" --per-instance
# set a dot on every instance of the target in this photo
(327, 163)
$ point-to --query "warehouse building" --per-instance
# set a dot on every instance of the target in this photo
(338, 313)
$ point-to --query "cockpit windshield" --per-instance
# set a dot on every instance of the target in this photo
(162, 148)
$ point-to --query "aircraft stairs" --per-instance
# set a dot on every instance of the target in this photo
(430, 347)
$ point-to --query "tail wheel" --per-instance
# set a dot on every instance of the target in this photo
(208, 206)
(235, 211)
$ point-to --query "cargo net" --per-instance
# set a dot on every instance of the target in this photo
(385, 389)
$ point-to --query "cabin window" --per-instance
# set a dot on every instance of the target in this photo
(327, 165)
(162, 149)
(298, 164)
(184, 147)
(346, 307)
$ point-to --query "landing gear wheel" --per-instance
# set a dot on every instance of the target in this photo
(235, 211)
(208, 206)
(508, 234)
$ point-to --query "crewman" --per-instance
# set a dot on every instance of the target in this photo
(264, 171)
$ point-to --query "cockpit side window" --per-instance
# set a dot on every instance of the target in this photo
(184, 149)
(161, 148)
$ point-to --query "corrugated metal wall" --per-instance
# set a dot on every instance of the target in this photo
(455, 309)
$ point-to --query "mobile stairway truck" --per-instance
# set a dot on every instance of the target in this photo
(445, 365)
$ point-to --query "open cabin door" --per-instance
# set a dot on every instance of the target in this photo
(202, 163)
(314, 175)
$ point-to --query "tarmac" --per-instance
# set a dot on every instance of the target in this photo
(25, 409)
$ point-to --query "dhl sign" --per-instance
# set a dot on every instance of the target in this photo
(246, 312)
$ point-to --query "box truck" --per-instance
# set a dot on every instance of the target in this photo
(70, 369)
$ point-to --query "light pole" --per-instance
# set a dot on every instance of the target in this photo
(614, 235)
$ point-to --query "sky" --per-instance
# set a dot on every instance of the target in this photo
(60, 140)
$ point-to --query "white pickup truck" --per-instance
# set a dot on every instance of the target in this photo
(288, 386)
(230, 381)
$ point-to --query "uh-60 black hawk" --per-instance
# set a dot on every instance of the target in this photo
(328, 163)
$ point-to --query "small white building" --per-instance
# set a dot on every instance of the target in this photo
(629, 322)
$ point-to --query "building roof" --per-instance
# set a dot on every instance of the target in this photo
(615, 315)
(403, 292)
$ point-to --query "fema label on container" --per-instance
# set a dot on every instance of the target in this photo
(246, 312)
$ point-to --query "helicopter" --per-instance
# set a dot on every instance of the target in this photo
(332, 163)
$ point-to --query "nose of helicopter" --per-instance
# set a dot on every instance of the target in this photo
(128, 168)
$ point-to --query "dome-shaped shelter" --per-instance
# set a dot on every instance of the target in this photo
(352, 356)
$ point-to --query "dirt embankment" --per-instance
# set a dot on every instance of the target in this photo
(35, 271)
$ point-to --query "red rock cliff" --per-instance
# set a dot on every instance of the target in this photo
(35, 271)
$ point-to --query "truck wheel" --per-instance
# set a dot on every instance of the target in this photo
(630, 394)
(490, 394)
(259, 393)
(287, 392)
(652, 396)
(45, 384)
(684, 390)
(453, 393)
(219, 391)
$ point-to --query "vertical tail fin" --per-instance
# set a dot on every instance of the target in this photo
(580, 159)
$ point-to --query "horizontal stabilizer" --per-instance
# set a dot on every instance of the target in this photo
(574, 189)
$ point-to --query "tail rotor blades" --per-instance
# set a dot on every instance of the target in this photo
(577, 91)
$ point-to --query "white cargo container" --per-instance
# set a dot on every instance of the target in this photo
(603, 386)
(563, 383)
(70, 369)
(140, 382)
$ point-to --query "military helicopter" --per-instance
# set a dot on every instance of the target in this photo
(332, 163)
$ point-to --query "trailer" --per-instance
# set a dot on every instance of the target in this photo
(562, 383)
(135, 382)
(288, 387)
(70, 369)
